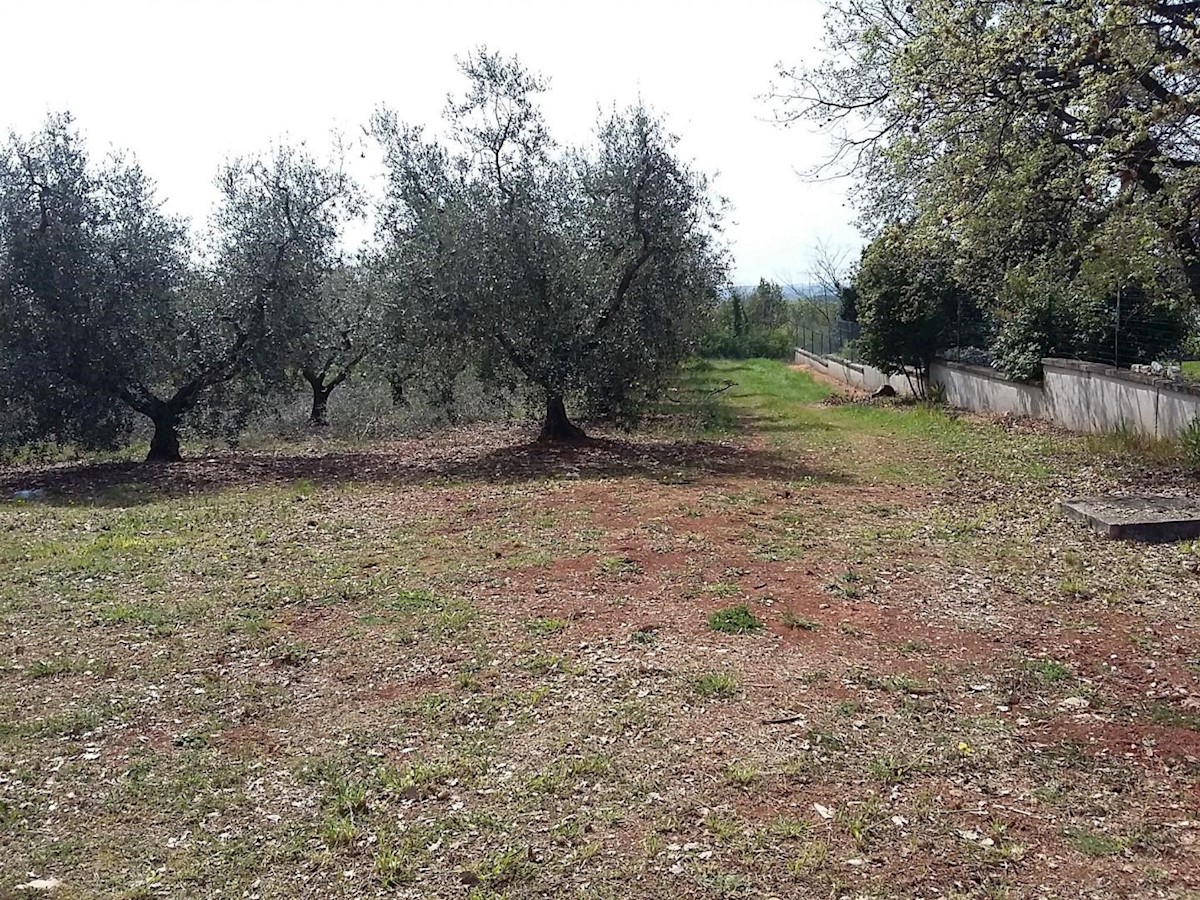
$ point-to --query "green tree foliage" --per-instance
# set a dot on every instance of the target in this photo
(343, 326)
(848, 303)
(276, 261)
(585, 273)
(745, 327)
(39, 402)
(1060, 141)
(90, 286)
(766, 309)
(1038, 318)
(908, 302)
(738, 323)
(106, 314)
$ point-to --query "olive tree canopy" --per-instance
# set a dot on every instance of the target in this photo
(109, 309)
(585, 272)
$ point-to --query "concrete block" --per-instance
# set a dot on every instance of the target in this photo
(1147, 519)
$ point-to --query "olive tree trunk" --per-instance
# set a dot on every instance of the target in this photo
(319, 417)
(164, 445)
(556, 427)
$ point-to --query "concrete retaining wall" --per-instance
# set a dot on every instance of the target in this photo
(1077, 395)
(1091, 397)
(868, 378)
(983, 389)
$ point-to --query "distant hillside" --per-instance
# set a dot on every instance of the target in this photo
(790, 292)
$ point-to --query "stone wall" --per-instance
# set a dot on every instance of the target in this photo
(980, 388)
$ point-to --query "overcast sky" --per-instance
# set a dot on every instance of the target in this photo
(186, 84)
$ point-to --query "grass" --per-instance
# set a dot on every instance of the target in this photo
(716, 686)
(784, 827)
(1093, 843)
(812, 857)
(59, 665)
(790, 620)
(742, 774)
(547, 626)
(735, 620)
(463, 666)
(1049, 670)
(339, 832)
(616, 566)
(862, 821)
(891, 769)
(646, 637)
(1166, 715)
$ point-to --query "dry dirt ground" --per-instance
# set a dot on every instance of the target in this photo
(466, 667)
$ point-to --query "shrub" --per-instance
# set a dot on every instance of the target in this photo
(907, 302)
(1040, 317)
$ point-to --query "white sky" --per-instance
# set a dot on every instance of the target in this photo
(185, 83)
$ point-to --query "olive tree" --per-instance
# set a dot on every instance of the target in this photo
(91, 288)
(276, 251)
(585, 272)
(106, 300)
(343, 323)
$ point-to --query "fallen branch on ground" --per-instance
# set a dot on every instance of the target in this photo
(785, 720)
(726, 385)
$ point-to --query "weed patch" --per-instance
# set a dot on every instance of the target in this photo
(716, 685)
(735, 620)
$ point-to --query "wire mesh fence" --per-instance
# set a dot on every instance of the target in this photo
(1127, 330)
(834, 338)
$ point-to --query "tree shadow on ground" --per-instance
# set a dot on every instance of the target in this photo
(457, 457)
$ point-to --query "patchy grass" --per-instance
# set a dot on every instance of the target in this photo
(1049, 670)
(646, 636)
(716, 685)
(735, 620)
(1165, 715)
(790, 620)
(1094, 843)
(467, 666)
(547, 626)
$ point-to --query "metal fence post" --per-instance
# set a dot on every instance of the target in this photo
(1117, 332)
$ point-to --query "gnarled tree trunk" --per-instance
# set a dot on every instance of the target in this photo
(556, 427)
(164, 445)
(319, 417)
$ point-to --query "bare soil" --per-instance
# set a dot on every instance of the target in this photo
(471, 666)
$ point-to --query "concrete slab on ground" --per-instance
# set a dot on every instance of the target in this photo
(1148, 519)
